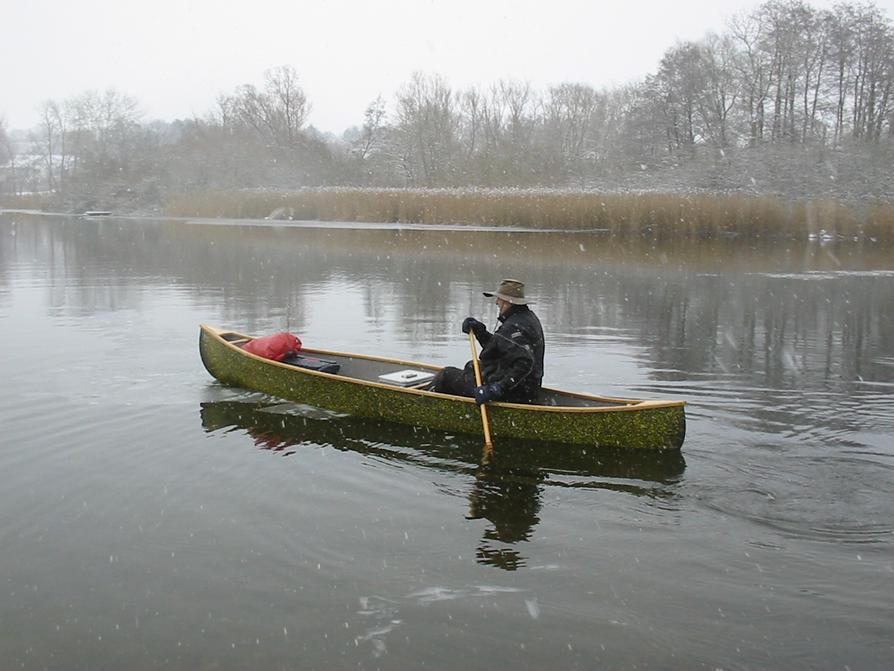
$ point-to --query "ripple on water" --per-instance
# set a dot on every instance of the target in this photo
(837, 498)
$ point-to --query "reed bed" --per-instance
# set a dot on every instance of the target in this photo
(30, 201)
(622, 214)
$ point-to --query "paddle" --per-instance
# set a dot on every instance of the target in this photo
(488, 445)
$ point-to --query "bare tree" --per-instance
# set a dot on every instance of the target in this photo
(277, 113)
(372, 131)
(839, 27)
(568, 113)
(872, 76)
(6, 152)
(678, 87)
(49, 142)
(753, 68)
(520, 105)
(7, 161)
(814, 57)
(720, 89)
(427, 123)
(287, 104)
(509, 116)
(471, 103)
(103, 129)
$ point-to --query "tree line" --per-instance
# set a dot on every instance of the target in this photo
(789, 98)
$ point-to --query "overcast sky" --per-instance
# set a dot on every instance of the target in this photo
(176, 56)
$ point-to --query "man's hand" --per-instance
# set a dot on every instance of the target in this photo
(475, 326)
(488, 392)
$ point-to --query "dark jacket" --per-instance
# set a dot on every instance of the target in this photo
(513, 354)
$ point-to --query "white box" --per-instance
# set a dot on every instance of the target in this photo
(407, 378)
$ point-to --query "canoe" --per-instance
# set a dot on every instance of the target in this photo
(369, 386)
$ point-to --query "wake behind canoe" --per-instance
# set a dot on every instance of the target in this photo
(357, 388)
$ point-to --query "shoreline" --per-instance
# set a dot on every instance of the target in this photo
(632, 214)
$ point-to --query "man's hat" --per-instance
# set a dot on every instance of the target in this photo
(510, 290)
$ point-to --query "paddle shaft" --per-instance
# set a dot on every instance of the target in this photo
(487, 442)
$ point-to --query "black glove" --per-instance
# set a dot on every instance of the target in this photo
(475, 326)
(488, 392)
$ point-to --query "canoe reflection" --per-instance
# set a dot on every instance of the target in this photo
(506, 490)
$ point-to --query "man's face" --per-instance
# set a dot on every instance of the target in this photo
(503, 305)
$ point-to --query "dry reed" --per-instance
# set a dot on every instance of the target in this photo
(30, 201)
(623, 214)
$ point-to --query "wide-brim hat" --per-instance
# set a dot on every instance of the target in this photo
(510, 290)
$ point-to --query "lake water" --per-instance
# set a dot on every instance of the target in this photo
(154, 519)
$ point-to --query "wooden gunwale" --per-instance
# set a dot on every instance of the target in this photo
(623, 405)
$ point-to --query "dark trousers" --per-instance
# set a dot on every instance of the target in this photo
(461, 382)
(452, 380)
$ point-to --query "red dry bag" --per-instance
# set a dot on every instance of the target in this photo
(277, 346)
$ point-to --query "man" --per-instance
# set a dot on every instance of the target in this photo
(511, 357)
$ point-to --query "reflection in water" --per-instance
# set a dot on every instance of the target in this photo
(714, 308)
(506, 490)
(509, 498)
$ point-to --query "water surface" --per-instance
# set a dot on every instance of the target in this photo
(153, 518)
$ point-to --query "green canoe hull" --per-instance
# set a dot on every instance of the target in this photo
(622, 424)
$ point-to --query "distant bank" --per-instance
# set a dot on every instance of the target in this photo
(652, 214)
